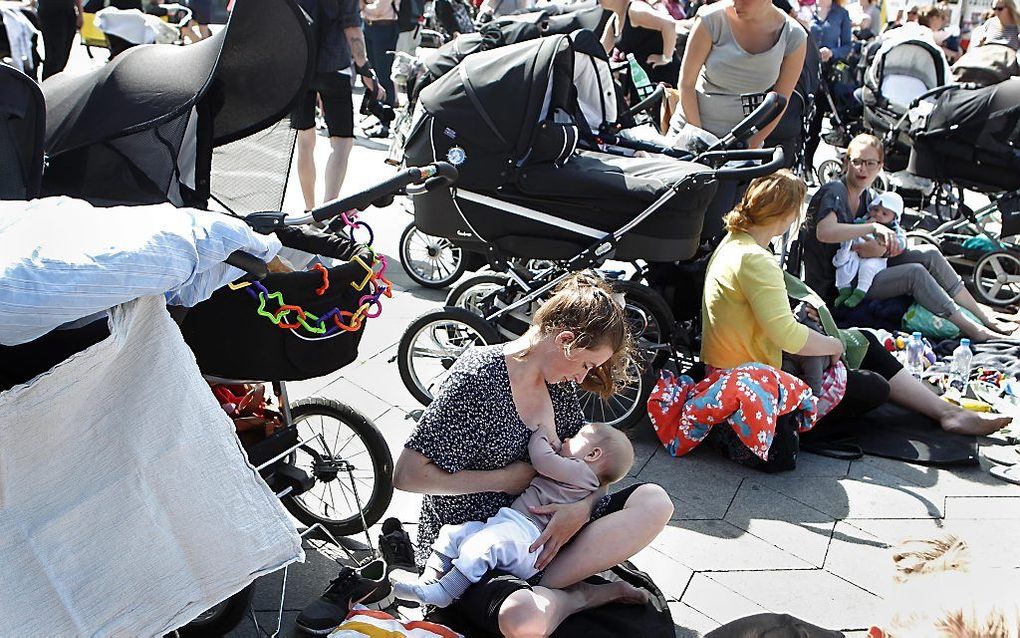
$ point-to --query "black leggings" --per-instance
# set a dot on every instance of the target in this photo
(868, 386)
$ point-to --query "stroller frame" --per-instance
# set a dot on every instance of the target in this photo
(502, 308)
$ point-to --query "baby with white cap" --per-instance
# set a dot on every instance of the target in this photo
(854, 274)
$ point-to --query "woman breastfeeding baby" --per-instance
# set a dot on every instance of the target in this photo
(747, 316)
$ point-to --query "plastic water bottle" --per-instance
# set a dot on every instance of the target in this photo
(915, 355)
(962, 358)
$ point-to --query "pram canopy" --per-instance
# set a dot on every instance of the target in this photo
(903, 70)
(972, 137)
(515, 114)
(104, 127)
(22, 130)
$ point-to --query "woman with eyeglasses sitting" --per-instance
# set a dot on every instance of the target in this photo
(921, 272)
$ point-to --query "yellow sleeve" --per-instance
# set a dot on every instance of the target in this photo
(761, 281)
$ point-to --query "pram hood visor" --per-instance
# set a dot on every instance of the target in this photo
(249, 85)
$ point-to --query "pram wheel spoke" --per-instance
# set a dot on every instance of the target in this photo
(350, 462)
(431, 344)
(432, 262)
(996, 278)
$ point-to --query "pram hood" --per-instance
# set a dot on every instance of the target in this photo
(236, 84)
(913, 58)
(255, 85)
(496, 99)
(972, 136)
(22, 130)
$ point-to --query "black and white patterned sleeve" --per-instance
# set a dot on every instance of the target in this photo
(448, 431)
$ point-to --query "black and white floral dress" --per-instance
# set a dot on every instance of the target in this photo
(473, 424)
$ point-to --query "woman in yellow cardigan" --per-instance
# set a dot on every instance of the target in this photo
(746, 315)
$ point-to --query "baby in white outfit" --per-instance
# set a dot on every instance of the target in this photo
(596, 456)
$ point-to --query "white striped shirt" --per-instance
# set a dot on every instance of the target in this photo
(62, 259)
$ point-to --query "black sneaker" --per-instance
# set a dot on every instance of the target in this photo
(395, 546)
(367, 584)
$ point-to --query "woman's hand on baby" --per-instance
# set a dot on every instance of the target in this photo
(516, 477)
(885, 235)
(870, 248)
(567, 519)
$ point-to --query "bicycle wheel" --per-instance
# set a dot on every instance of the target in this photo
(432, 262)
(351, 465)
(221, 618)
(432, 343)
(997, 278)
(470, 292)
(651, 323)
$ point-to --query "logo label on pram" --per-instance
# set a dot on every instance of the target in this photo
(456, 156)
(450, 133)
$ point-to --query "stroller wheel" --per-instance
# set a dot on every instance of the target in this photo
(471, 293)
(829, 171)
(431, 344)
(651, 323)
(350, 462)
(432, 262)
(997, 278)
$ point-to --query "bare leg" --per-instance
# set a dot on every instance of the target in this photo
(611, 539)
(536, 613)
(203, 29)
(306, 166)
(977, 332)
(967, 300)
(188, 31)
(910, 393)
(336, 165)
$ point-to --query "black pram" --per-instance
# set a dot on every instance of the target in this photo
(511, 118)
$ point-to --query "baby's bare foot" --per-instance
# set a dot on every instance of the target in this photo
(980, 423)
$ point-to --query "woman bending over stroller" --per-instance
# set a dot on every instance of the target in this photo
(467, 455)
(921, 272)
(738, 51)
(747, 316)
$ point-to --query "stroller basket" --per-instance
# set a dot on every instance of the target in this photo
(231, 339)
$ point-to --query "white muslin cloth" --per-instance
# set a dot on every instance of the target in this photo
(127, 506)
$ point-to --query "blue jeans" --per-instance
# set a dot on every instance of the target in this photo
(381, 41)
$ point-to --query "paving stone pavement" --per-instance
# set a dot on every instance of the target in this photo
(814, 543)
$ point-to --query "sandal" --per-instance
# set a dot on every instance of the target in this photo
(1009, 473)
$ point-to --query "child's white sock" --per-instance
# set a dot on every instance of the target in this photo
(440, 593)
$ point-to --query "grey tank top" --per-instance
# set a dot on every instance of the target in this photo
(730, 71)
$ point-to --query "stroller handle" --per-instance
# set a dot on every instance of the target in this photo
(431, 176)
(248, 263)
(938, 90)
(775, 156)
(769, 109)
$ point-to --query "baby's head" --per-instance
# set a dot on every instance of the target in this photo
(605, 449)
(886, 209)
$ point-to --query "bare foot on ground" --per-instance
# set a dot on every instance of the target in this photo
(980, 423)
